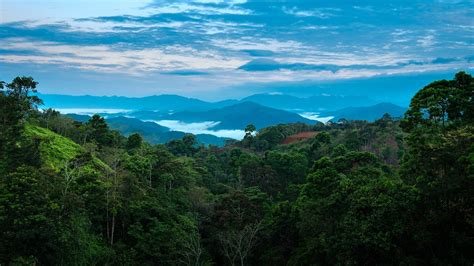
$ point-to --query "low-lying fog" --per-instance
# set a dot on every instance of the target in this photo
(200, 128)
(204, 127)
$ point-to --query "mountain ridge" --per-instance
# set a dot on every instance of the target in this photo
(176, 103)
(369, 113)
(239, 115)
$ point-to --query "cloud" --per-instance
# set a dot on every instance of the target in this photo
(322, 13)
(272, 65)
(203, 8)
(316, 117)
(200, 128)
(443, 60)
(270, 45)
(185, 73)
(426, 41)
(116, 59)
(259, 53)
(218, 43)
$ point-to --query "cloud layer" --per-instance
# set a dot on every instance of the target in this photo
(204, 45)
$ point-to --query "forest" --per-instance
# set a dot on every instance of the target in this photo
(389, 192)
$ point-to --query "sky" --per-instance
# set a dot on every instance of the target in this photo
(218, 49)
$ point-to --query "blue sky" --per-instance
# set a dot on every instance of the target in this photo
(215, 49)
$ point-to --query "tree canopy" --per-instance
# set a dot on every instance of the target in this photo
(389, 192)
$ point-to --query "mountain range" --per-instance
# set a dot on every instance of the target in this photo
(166, 117)
(157, 102)
(236, 116)
(150, 131)
(177, 103)
(369, 113)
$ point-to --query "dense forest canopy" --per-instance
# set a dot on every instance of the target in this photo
(351, 192)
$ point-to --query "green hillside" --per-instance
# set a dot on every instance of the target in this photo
(55, 149)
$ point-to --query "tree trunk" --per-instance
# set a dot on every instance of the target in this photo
(112, 231)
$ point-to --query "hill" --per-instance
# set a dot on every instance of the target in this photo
(369, 113)
(313, 103)
(159, 102)
(56, 150)
(128, 126)
(175, 103)
(150, 131)
(238, 116)
(157, 134)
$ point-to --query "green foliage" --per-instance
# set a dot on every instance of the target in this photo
(360, 212)
(353, 192)
(28, 217)
(55, 149)
(134, 141)
(17, 102)
(440, 126)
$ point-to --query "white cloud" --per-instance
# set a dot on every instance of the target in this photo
(269, 44)
(316, 117)
(200, 128)
(322, 13)
(18, 10)
(115, 59)
(200, 9)
(426, 41)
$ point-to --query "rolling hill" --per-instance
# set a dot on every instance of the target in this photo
(156, 134)
(129, 126)
(175, 103)
(56, 150)
(238, 116)
(369, 113)
(159, 102)
(150, 131)
(313, 103)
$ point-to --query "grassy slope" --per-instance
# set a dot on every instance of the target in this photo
(56, 150)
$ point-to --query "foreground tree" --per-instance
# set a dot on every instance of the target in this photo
(352, 212)
(16, 103)
(440, 163)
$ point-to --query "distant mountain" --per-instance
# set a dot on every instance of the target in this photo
(80, 118)
(174, 103)
(128, 126)
(151, 132)
(157, 134)
(369, 113)
(313, 103)
(205, 139)
(160, 102)
(238, 116)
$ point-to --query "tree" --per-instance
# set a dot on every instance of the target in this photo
(99, 131)
(249, 138)
(249, 129)
(28, 217)
(16, 103)
(439, 126)
(237, 245)
(134, 141)
(184, 146)
(351, 212)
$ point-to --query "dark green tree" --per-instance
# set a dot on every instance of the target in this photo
(438, 162)
(17, 101)
(134, 141)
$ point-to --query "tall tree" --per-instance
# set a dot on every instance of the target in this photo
(17, 100)
(440, 126)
